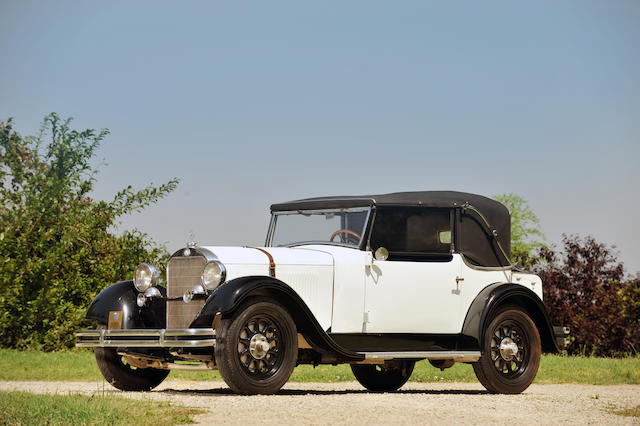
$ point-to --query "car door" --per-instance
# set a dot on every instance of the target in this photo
(412, 297)
(417, 288)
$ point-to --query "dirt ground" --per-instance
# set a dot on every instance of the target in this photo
(349, 403)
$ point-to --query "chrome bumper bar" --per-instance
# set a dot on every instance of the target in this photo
(147, 338)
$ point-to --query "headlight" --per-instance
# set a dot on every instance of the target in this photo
(145, 276)
(213, 275)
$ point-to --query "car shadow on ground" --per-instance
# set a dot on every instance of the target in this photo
(302, 392)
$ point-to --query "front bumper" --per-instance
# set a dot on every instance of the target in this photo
(147, 338)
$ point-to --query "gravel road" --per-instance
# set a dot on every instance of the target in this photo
(348, 403)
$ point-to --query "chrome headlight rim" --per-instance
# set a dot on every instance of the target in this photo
(145, 276)
(213, 284)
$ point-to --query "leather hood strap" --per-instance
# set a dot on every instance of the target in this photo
(272, 264)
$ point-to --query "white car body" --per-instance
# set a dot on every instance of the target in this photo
(348, 291)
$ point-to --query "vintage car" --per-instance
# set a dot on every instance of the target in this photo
(378, 281)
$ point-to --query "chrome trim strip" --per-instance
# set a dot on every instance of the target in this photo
(320, 243)
(455, 355)
(368, 227)
(205, 337)
(201, 251)
(272, 224)
(331, 209)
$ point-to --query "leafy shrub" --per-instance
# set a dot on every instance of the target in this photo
(57, 245)
(585, 290)
(526, 236)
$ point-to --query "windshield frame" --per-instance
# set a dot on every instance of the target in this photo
(363, 236)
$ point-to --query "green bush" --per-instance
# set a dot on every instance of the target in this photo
(58, 247)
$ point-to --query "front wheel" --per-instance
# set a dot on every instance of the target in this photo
(257, 349)
(125, 377)
(386, 377)
(511, 352)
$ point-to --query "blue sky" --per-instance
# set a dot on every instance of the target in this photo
(260, 102)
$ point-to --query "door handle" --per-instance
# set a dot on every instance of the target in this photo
(458, 279)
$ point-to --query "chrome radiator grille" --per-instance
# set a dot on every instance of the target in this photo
(182, 274)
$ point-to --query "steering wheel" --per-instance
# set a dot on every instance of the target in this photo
(345, 231)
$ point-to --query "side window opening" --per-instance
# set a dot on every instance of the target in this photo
(413, 233)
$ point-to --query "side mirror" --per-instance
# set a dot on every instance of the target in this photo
(381, 254)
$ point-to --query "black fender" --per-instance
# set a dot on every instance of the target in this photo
(499, 294)
(122, 297)
(229, 296)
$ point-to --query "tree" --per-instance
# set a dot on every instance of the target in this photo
(630, 309)
(525, 229)
(584, 288)
(57, 244)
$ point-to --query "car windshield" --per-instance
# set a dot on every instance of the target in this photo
(336, 226)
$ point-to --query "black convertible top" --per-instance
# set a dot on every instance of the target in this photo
(475, 240)
(418, 198)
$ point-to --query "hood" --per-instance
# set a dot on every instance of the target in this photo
(244, 261)
(283, 256)
(308, 271)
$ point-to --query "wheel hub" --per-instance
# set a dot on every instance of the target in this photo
(508, 349)
(259, 346)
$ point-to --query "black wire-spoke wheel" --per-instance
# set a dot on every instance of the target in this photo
(386, 377)
(511, 352)
(509, 349)
(259, 347)
(256, 350)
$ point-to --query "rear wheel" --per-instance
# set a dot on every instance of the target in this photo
(386, 377)
(125, 377)
(257, 349)
(511, 352)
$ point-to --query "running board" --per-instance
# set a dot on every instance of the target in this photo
(458, 356)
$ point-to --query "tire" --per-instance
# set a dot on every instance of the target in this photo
(125, 377)
(511, 352)
(257, 349)
(387, 377)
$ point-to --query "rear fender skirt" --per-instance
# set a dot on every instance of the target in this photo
(496, 295)
(228, 297)
(122, 297)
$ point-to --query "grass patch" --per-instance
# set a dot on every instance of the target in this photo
(65, 366)
(28, 408)
(589, 370)
(80, 365)
(629, 412)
